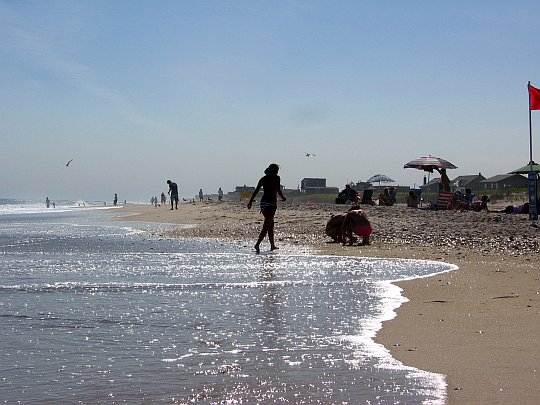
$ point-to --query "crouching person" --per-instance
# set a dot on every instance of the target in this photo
(356, 221)
(333, 227)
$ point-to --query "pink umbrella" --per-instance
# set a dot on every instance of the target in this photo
(428, 163)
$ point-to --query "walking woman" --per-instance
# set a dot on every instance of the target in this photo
(271, 185)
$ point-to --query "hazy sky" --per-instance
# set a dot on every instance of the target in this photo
(208, 93)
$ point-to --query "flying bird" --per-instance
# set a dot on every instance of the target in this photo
(67, 164)
(310, 154)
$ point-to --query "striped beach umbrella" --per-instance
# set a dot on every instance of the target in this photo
(428, 163)
(378, 178)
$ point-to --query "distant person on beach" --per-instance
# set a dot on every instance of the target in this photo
(201, 195)
(271, 185)
(347, 194)
(47, 202)
(388, 197)
(412, 199)
(515, 209)
(220, 194)
(445, 181)
(163, 199)
(173, 191)
(480, 204)
(458, 202)
(356, 221)
(469, 196)
(115, 201)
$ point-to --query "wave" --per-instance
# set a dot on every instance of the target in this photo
(77, 287)
(13, 206)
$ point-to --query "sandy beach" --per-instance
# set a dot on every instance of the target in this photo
(478, 325)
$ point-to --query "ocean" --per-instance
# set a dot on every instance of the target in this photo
(95, 310)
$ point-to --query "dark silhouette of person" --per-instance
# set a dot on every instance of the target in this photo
(347, 194)
(173, 191)
(271, 185)
(445, 181)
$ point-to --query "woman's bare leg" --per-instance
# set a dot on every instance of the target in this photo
(271, 214)
(271, 235)
(268, 228)
(263, 233)
(264, 230)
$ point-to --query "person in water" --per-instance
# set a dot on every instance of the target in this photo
(271, 185)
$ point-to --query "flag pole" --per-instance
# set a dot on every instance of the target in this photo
(533, 177)
(530, 127)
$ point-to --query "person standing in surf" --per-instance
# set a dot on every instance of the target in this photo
(271, 185)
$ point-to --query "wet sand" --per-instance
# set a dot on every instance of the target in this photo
(479, 325)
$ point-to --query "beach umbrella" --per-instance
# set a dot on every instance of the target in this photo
(378, 178)
(527, 169)
(428, 163)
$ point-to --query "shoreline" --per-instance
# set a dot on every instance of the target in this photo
(478, 325)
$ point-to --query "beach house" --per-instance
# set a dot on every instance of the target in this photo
(504, 182)
(471, 182)
(316, 186)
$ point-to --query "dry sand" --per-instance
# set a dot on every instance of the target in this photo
(479, 325)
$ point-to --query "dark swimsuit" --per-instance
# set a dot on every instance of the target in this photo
(267, 203)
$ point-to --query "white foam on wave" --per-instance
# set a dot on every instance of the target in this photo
(17, 209)
(13, 207)
(391, 298)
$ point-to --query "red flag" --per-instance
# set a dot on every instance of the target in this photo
(534, 98)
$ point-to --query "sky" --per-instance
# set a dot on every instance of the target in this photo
(209, 93)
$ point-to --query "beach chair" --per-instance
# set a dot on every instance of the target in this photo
(418, 192)
(367, 197)
(443, 200)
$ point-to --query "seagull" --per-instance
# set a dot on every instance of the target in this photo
(67, 164)
(310, 154)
